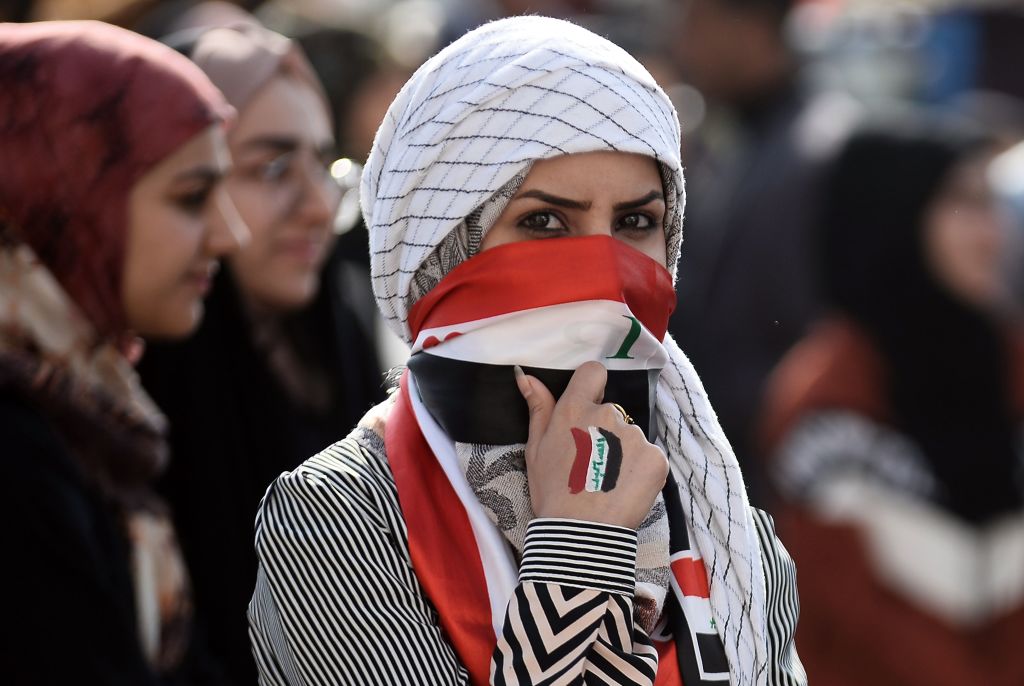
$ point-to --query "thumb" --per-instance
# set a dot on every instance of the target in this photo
(539, 401)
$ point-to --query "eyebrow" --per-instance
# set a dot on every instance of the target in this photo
(553, 200)
(580, 205)
(639, 202)
(208, 174)
(285, 144)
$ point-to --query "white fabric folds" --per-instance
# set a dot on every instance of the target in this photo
(476, 115)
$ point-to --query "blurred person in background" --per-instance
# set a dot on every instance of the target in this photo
(112, 221)
(746, 291)
(360, 81)
(466, 15)
(1008, 179)
(973, 48)
(281, 365)
(895, 427)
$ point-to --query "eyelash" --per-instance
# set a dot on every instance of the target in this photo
(281, 167)
(276, 169)
(546, 232)
(196, 200)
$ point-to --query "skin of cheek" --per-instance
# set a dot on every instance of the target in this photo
(172, 246)
(264, 272)
(160, 300)
(260, 212)
(279, 270)
(965, 235)
(964, 255)
(598, 460)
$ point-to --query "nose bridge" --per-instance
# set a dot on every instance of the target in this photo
(319, 194)
(597, 220)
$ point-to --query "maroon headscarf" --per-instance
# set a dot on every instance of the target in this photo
(86, 109)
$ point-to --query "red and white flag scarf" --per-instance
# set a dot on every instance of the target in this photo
(614, 307)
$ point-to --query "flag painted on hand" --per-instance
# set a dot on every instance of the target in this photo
(598, 460)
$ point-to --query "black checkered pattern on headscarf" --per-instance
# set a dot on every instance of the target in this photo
(481, 110)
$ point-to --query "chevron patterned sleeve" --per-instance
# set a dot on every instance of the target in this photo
(783, 606)
(570, 619)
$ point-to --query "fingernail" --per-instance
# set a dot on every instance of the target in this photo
(522, 381)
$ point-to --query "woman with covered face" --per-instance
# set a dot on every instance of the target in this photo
(893, 431)
(547, 496)
(112, 222)
(282, 365)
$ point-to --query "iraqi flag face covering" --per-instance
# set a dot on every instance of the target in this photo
(549, 306)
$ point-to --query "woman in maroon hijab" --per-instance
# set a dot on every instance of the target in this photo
(111, 225)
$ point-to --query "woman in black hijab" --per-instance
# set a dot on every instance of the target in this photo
(894, 429)
(283, 364)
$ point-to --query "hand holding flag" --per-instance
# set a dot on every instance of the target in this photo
(583, 460)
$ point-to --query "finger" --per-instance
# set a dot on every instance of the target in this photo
(611, 413)
(587, 383)
(539, 401)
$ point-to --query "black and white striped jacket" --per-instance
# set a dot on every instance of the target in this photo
(337, 600)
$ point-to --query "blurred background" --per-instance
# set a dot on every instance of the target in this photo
(766, 90)
(920, 590)
(961, 54)
(949, 52)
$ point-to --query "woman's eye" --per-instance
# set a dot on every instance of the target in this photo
(636, 221)
(195, 200)
(276, 168)
(542, 221)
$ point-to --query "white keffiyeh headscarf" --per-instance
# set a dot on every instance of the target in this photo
(452, 149)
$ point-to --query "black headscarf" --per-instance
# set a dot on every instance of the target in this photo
(235, 427)
(946, 361)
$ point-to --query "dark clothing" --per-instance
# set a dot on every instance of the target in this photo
(946, 360)
(829, 424)
(894, 435)
(746, 285)
(88, 109)
(67, 565)
(235, 428)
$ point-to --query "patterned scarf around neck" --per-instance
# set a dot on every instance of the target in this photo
(50, 354)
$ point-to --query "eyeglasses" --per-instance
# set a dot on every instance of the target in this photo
(347, 173)
(292, 173)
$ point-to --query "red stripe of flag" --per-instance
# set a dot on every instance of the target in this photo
(614, 272)
(668, 664)
(441, 540)
(691, 577)
(581, 465)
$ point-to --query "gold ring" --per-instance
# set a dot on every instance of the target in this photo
(625, 415)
